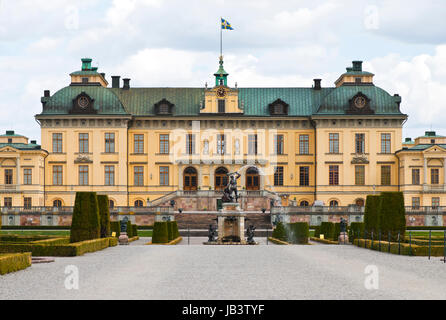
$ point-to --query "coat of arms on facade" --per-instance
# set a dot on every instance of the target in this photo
(360, 159)
(83, 159)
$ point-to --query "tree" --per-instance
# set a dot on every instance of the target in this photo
(86, 224)
(104, 213)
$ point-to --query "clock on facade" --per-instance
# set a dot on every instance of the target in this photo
(221, 92)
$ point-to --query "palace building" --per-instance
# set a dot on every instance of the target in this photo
(149, 146)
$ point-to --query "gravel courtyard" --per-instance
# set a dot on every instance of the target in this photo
(238, 272)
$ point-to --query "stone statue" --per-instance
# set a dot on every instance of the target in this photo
(343, 225)
(124, 224)
(230, 194)
(212, 233)
(250, 234)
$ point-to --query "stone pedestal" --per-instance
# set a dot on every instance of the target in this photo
(123, 239)
(231, 225)
(343, 238)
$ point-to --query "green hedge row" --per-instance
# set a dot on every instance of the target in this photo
(327, 229)
(60, 250)
(26, 228)
(14, 262)
(402, 248)
(24, 239)
(296, 233)
(415, 228)
(164, 232)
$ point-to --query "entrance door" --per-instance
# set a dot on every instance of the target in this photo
(252, 179)
(221, 179)
(190, 179)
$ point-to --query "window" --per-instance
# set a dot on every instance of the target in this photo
(416, 176)
(435, 176)
(304, 144)
(415, 202)
(83, 143)
(221, 145)
(164, 176)
(109, 143)
(333, 175)
(27, 176)
(8, 176)
(57, 203)
(139, 204)
(83, 175)
(359, 175)
(252, 144)
(164, 144)
(221, 106)
(111, 204)
(57, 175)
(190, 144)
(360, 143)
(57, 143)
(304, 176)
(138, 143)
(139, 176)
(304, 203)
(8, 202)
(27, 203)
(358, 80)
(109, 175)
(279, 109)
(9, 140)
(334, 203)
(278, 176)
(334, 142)
(385, 142)
(385, 175)
(84, 80)
(278, 144)
(435, 202)
(164, 109)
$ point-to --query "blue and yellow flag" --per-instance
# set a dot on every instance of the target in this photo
(225, 25)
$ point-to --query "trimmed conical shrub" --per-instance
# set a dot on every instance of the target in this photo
(299, 232)
(104, 213)
(176, 231)
(86, 224)
(160, 233)
(280, 232)
(392, 217)
(371, 215)
(327, 229)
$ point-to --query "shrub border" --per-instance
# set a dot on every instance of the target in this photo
(14, 262)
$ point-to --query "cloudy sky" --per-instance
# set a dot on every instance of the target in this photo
(176, 43)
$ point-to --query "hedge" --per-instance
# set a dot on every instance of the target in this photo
(371, 213)
(317, 231)
(129, 229)
(392, 215)
(160, 233)
(414, 228)
(327, 229)
(356, 230)
(324, 241)
(336, 231)
(86, 223)
(279, 232)
(115, 226)
(299, 233)
(59, 250)
(135, 230)
(24, 239)
(176, 231)
(404, 248)
(14, 262)
(24, 228)
(104, 214)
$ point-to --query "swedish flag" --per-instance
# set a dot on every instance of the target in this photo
(225, 25)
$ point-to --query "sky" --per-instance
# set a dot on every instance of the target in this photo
(176, 43)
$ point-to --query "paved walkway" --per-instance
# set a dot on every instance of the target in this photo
(230, 272)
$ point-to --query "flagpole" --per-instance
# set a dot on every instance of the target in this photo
(221, 37)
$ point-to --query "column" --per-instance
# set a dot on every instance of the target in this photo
(180, 177)
(425, 171)
(444, 173)
(18, 173)
(212, 176)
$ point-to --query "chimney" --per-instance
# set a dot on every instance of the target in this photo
(33, 141)
(116, 81)
(126, 84)
(317, 84)
(408, 140)
(46, 93)
(357, 65)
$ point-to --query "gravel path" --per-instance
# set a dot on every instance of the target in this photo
(230, 272)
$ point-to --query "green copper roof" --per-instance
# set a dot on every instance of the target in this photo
(421, 147)
(105, 101)
(141, 101)
(337, 102)
(21, 146)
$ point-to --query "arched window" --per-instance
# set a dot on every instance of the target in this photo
(334, 203)
(304, 203)
(190, 179)
(57, 203)
(139, 204)
(111, 204)
(359, 202)
(221, 178)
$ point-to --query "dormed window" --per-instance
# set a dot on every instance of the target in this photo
(164, 107)
(278, 107)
